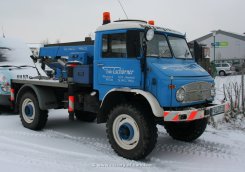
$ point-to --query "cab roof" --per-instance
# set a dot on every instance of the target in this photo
(133, 24)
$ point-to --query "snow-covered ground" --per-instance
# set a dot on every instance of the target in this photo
(65, 146)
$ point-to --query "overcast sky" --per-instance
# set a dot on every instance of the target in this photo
(72, 20)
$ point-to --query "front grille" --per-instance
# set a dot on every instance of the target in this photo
(197, 91)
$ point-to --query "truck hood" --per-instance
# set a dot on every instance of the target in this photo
(181, 70)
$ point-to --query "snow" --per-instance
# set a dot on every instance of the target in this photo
(77, 146)
(65, 146)
(220, 81)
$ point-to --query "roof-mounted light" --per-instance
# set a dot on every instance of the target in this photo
(151, 22)
(106, 18)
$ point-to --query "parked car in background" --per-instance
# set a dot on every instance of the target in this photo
(15, 62)
(224, 69)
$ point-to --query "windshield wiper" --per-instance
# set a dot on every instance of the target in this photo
(18, 67)
(27, 66)
(187, 53)
(5, 48)
(10, 66)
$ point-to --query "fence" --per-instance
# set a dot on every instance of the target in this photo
(233, 90)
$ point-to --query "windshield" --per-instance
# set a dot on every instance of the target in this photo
(158, 47)
(179, 47)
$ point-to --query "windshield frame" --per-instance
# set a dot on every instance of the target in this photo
(181, 37)
(166, 37)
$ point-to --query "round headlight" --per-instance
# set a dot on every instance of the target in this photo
(180, 95)
(149, 34)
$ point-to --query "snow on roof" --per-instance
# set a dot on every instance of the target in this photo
(133, 24)
(35, 45)
(230, 34)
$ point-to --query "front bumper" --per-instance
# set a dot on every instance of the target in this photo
(195, 114)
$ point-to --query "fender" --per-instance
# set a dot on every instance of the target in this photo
(155, 106)
(45, 96)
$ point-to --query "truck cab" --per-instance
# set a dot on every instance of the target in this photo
(163, 67)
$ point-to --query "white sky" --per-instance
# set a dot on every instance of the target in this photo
(72, 20)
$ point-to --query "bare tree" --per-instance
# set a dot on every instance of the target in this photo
(44, 42)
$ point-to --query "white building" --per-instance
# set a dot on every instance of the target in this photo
(228, 46)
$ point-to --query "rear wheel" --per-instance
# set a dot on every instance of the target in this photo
(186, 131)
(85, 116)
(31, 115)
(131, 131)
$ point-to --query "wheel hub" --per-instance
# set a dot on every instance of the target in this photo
(29, 110)
(126, 131)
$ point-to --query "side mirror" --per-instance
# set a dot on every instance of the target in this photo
(149, 34)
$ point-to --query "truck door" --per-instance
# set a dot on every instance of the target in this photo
(118, 64)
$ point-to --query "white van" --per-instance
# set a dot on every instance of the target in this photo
(15, 62)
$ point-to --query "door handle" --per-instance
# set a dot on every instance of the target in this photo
(100, 64)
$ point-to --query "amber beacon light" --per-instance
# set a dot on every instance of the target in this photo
(151, 22)
(106, 18)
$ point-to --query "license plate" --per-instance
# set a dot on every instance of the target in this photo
(217, 110)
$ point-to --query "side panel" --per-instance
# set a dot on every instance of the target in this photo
(8, 73)
(46, 97)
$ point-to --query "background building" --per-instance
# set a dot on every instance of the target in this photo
(229, 47)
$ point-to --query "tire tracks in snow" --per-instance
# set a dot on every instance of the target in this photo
(200, 147)
(98, 144)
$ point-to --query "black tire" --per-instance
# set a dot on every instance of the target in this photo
(222, 73)
(186, 131)
(147, 131)
(85, 116)
(39, 116)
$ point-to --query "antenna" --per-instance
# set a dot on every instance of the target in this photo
(123, 8)
(3, 32)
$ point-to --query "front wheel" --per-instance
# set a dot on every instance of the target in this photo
(186, 131)
(31, 115)
(131, 131)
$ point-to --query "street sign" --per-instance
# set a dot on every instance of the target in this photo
(220, 44)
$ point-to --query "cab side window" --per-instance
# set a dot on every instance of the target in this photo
(114, 45)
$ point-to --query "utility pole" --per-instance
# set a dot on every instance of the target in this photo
(243, 108)
(214, 44)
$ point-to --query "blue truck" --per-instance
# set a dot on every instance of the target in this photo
(133, 76)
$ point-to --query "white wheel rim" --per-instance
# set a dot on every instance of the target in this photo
(28, 110)
(126, 132)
